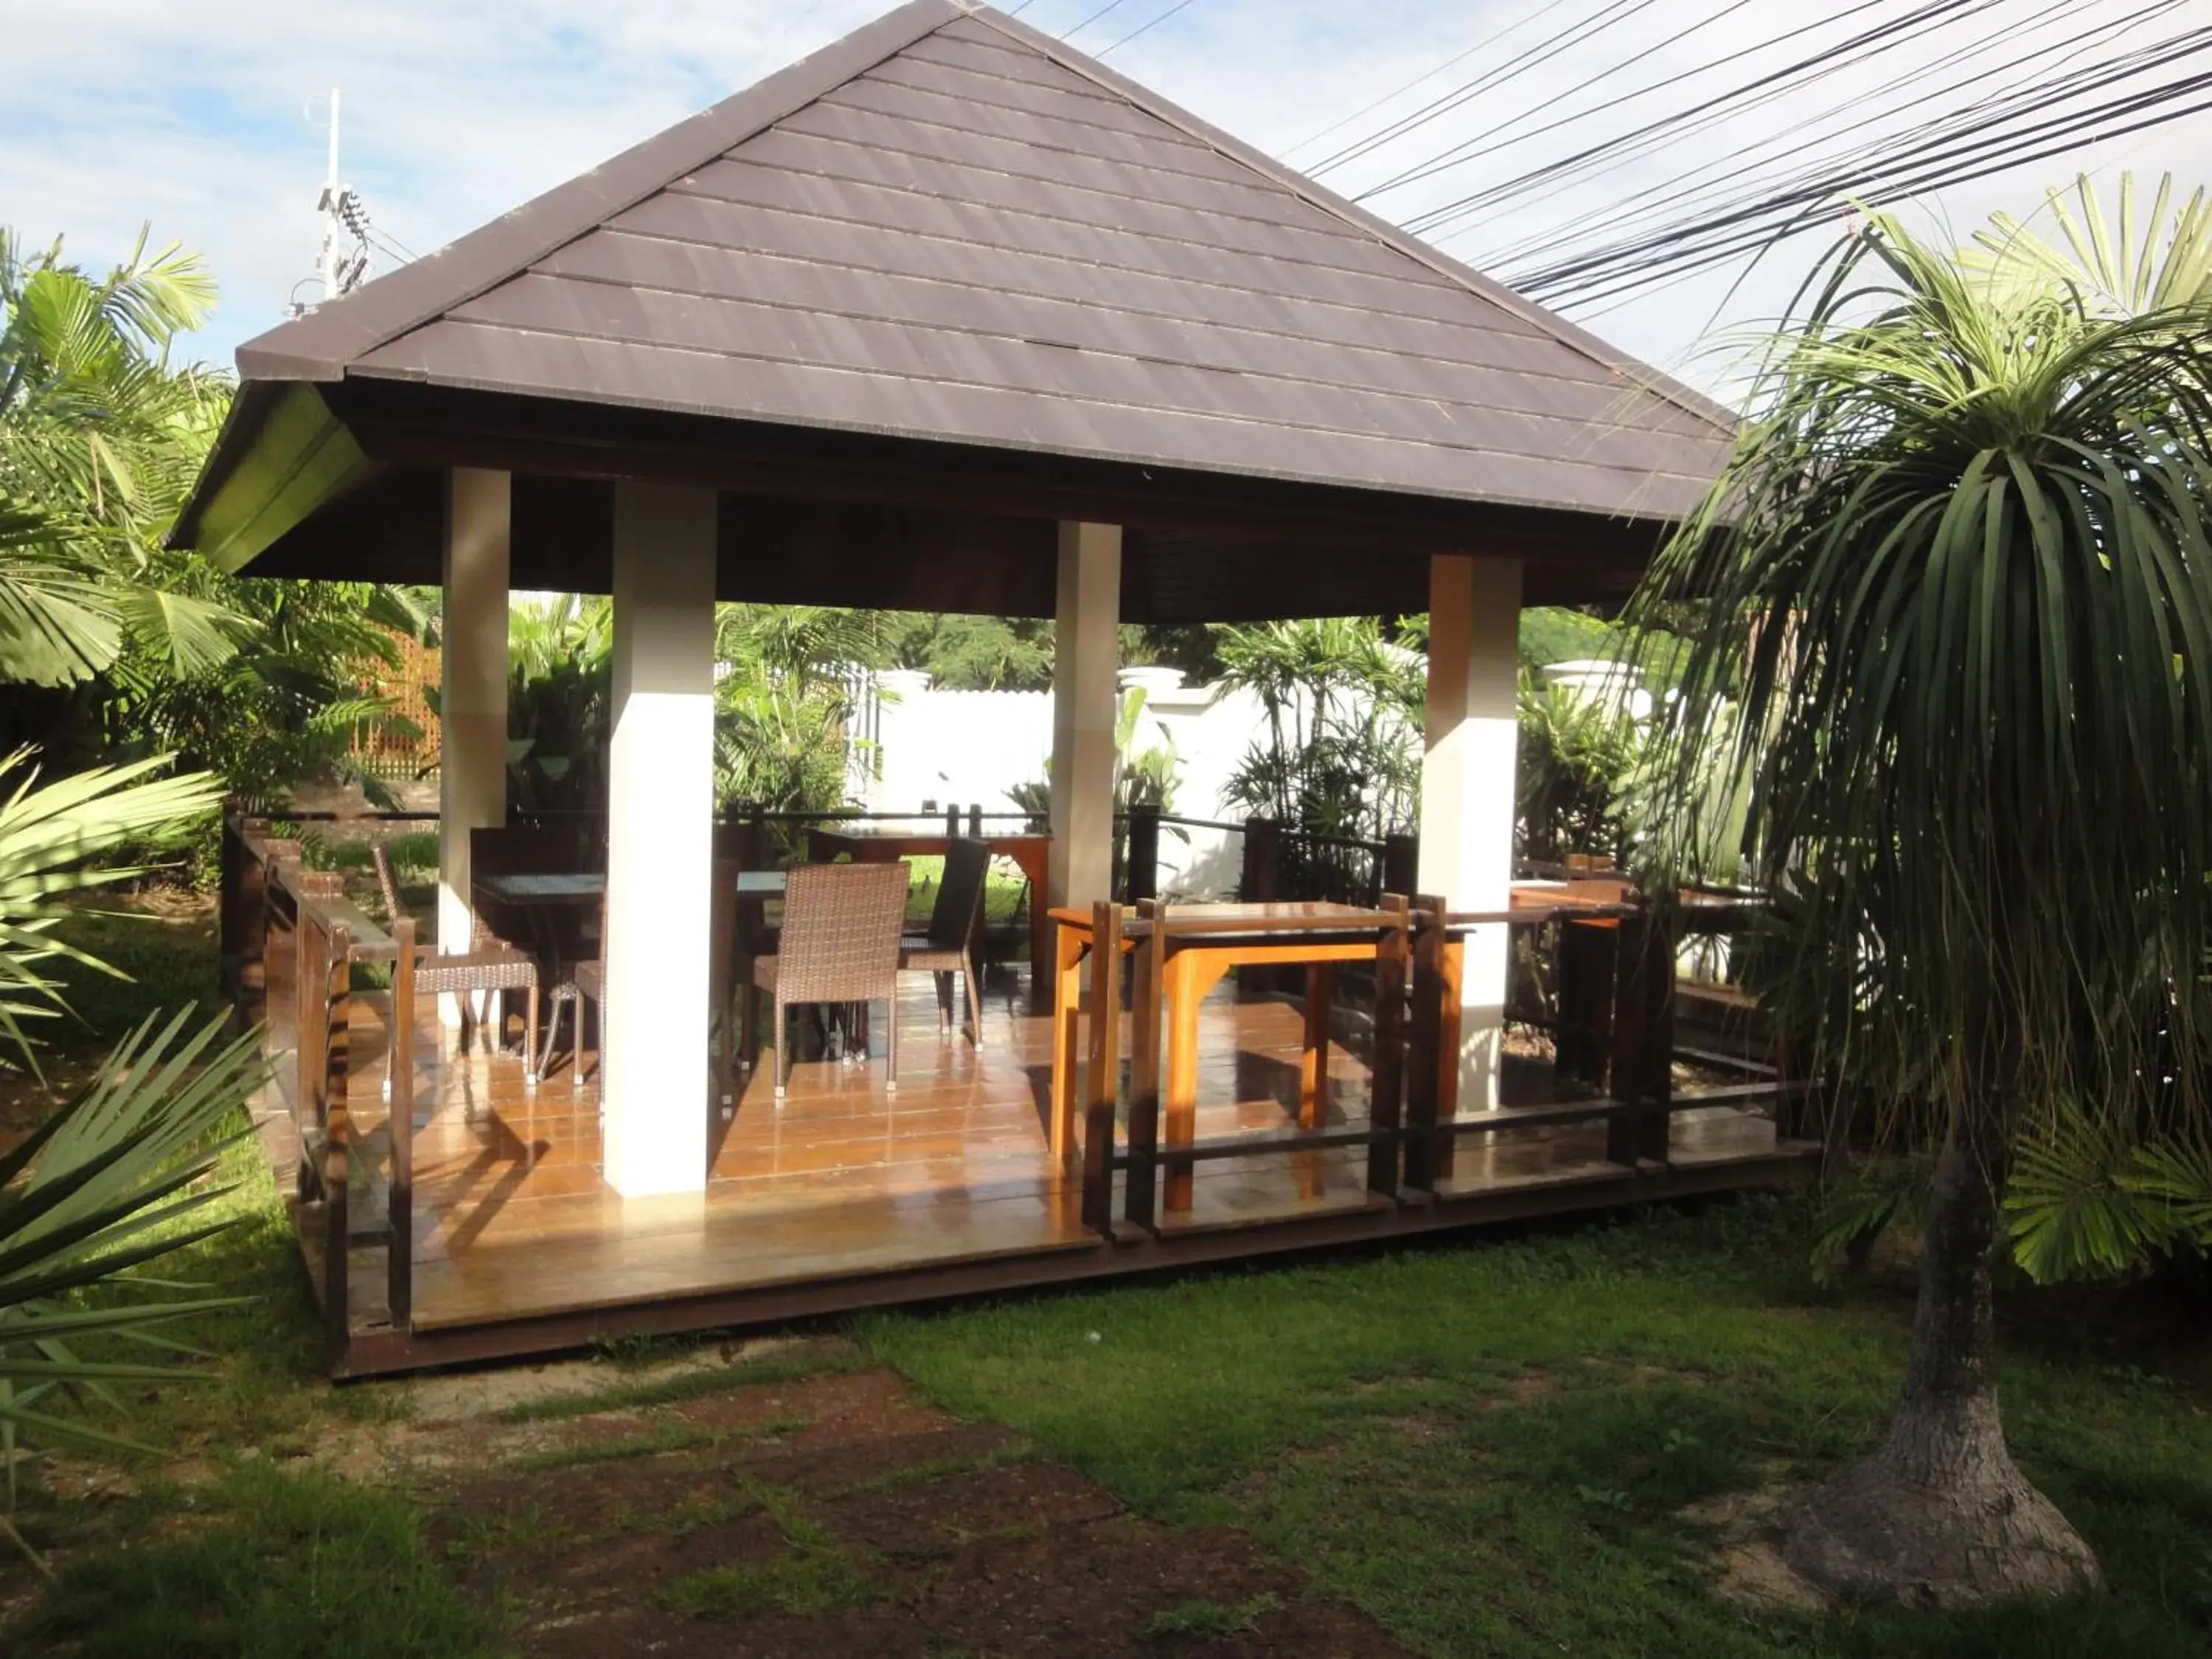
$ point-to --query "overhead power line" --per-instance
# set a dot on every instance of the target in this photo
(1529, 57)
(1726, 177)
(1424, 77)
(1144, 30)
(2032, 123)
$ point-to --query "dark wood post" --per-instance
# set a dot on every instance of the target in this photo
(1387, 1098)
(399, 1121)
(1587, 971)
(1643, 1041)
(1263, 857)
(1257, 884)
(951, 819)
(1101, 1085)
(1401, 863)
(1147, 1034)
(1144, 853)
(1425, 1060)
(975, 821)
(334, 994)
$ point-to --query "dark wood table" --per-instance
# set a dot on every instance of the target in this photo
(1030, 852)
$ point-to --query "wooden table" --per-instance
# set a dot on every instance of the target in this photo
(1030, 852)
(1194, 962)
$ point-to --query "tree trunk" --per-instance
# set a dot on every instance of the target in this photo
(1941, 1516)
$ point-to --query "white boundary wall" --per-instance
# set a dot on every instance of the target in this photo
(973, 747)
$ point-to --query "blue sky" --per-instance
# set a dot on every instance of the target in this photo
(197, 117)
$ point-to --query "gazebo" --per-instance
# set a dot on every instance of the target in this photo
(945, 317)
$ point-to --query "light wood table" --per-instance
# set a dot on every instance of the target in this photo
(1202, 943)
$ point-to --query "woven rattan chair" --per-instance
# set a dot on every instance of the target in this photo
(489, 965)
(839, 943)
(581, 980)
(949, 946)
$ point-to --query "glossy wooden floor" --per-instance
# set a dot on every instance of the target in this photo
(844, 1179)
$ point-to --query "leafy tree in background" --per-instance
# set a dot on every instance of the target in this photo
(99, 439)
(142, 649)
(1951, 619)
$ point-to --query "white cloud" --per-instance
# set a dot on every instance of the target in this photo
(124, 110)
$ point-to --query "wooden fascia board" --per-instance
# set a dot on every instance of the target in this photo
(299, 457)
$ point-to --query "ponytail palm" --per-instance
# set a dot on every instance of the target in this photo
(1953, 604)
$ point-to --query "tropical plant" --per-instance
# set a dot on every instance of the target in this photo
(113, 1179)
(1341, 753)
(1574, 756)
(560, 701)
(1965, 537)
(50, 836)
(100, 439)
(785, 703)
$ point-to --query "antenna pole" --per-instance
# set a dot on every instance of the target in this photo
(333, 225)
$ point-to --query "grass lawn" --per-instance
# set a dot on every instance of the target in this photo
(1537, 1445)
(1532, 1447)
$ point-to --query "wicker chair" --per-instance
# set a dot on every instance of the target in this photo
(489, 965)
(839, 943)
(949, 946)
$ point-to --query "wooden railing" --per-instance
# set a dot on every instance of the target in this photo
(1614, 1037)
(295, 969)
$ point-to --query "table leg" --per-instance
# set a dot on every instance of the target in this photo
(1313, 1065)
(1033, 863)
(1070, 946)
(1186, 987)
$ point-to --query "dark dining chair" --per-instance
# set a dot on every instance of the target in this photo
(948, 947)
(489, 965)
(839, 943)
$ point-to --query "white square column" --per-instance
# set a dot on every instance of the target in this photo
(1086, 646)
(471, 689)
(1467, 787)
(653, 1026)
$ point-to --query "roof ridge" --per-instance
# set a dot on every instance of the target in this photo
(1643, 374)
(320, 344)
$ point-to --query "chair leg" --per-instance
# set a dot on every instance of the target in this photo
(975, 1004)
(779, 1056)
(533, 1067)
(944, 1020)
(890, 1039)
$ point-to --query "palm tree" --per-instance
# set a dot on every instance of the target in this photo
(100, 439)
(1951, 614)
(116, 1178)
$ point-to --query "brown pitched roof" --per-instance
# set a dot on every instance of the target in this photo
(948, 226)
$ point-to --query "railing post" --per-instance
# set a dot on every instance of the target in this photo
(951, 819)
(1387, 1089)
(1263, 855)
(399, 1121)
(1424, 1060)
(1401, 863)
(1643, 1041)
(336, 992)
(1101, 1085)
(1144, 853)
(975, 821)
(1147, 1040)
(1586, 970)
(1257, 884)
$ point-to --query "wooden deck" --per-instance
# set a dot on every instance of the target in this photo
(846, 1195)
